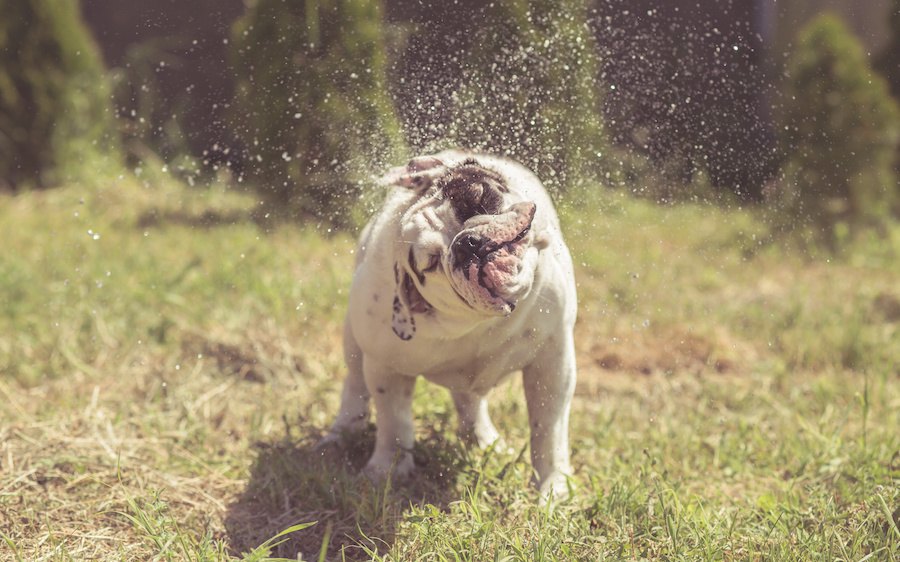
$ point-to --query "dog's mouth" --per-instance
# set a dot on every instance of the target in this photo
(471, 248)
(488, 256)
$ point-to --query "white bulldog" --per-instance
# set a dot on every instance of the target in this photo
(464, 278)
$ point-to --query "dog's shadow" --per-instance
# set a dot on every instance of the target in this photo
(292, 481)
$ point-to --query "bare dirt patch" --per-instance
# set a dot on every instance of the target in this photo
(668, 351)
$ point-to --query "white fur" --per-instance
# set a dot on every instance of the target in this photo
(467, 350)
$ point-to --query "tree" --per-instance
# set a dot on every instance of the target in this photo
(888, 62)
(530, 90)
(840, 132)
(312, 102)
(55, 119)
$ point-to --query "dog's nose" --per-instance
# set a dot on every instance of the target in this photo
(467, 247)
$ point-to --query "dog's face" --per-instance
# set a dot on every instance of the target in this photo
(466, 243)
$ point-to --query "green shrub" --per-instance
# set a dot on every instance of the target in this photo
(55, 120)
(840, 131)
(888, 62)
(151, 118)
(312, 103)
(530, 90)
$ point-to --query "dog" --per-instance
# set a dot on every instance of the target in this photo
(463, 277)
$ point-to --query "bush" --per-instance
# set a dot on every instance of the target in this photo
(888, 62)
(55, 120)
(312, 103)
(840, 130)
(531, 90)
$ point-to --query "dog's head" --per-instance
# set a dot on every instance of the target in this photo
(467, 243)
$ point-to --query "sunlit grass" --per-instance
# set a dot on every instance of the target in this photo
(168, 358)
(90, 271)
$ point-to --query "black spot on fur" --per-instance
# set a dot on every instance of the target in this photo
(402, 335)
(400, 321)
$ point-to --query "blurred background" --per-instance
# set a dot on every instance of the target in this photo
(791, 104)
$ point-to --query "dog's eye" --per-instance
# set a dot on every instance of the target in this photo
(434, 260)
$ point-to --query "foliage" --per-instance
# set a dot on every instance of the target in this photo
(171, 83)
(840, 130)
(151, 124)
(530, 90)
(888, 61)
(312, 102)
(55, 120)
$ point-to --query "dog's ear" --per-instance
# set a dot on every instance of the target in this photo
(402, 321)
(419, 174)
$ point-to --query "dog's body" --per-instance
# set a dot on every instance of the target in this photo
(464, 278)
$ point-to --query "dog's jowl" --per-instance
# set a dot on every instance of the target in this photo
(463, 277)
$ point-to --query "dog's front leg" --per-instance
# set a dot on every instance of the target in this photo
(395, 434)
(549, 385)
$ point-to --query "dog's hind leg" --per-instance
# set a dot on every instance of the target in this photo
(354, 412)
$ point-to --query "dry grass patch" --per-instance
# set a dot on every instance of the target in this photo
(156, 443)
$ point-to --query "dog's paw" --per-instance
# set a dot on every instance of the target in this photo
(499, 446)
(484, 441)
(329, 440)
(343, 433)
(398, 468)
(554, 488)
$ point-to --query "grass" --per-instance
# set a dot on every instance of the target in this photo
(168, 359)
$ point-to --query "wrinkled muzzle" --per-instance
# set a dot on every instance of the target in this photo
(486, 259)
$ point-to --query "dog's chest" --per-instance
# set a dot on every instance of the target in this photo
(482, 370)
(474, 361)
(464, 366)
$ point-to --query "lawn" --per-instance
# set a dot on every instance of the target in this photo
(168, 359)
